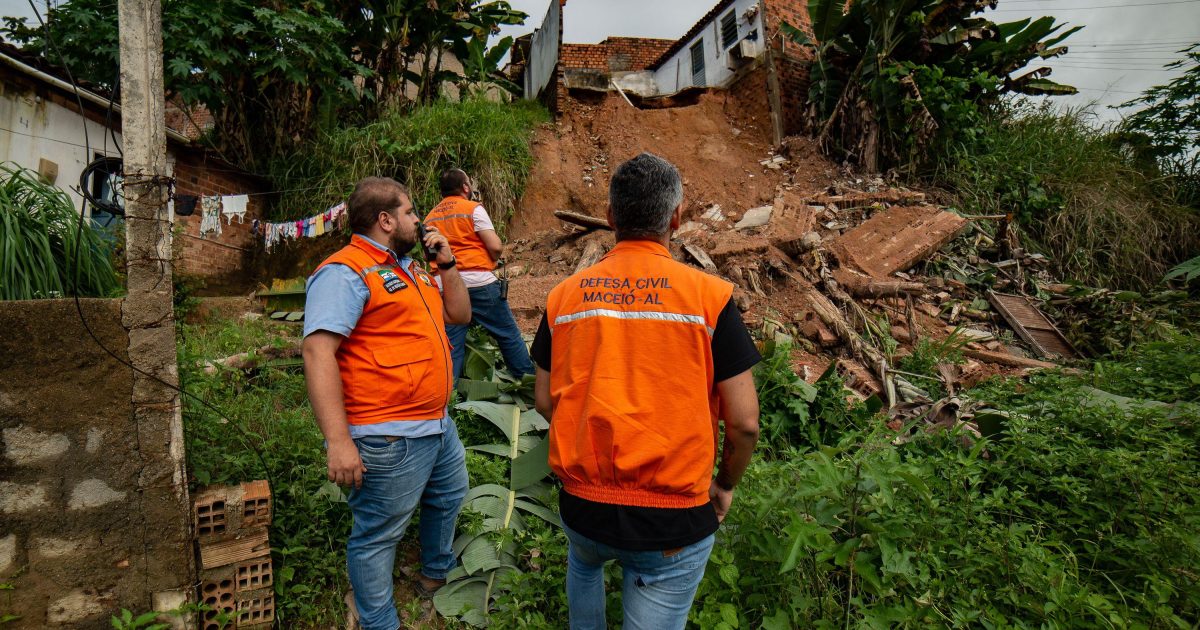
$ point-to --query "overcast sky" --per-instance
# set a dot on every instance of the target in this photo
(1119, 53)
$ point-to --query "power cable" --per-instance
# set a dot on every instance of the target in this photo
(1105, 6)
(75, 280)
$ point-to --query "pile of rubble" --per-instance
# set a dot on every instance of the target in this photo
(856, 274)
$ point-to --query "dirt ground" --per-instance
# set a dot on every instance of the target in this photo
(728, 168)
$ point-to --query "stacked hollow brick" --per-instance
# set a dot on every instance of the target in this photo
(236, 580)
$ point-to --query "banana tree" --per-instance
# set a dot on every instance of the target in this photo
(889, 77)
(488, 556)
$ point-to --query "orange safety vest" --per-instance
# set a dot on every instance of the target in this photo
(453, 217)
(631, 378)
(395, 365)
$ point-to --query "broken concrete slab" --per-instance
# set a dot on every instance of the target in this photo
(713, 214)
(699, 255)
(896, 239)
(755, 217)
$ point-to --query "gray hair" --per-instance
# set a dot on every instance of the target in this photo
(643, 194)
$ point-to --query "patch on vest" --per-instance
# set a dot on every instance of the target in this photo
(424, 277)
(391, 282)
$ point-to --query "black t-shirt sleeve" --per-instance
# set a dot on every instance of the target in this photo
(540, 349)
(733, 350)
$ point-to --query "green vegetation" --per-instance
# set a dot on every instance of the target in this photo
(1164, 133)
(44, 251)
(491, 141)
(272, 73)
(894, 79)
(1082, 512)
(1103, 220)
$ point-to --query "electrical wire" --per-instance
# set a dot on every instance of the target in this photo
(75, 283)
(1105, 6)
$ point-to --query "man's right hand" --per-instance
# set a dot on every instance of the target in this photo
(345, 466)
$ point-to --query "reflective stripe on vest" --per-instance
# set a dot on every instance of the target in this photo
(395, 365)
(454, 218)
(631, 377)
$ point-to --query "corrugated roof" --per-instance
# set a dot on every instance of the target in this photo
(696, 28)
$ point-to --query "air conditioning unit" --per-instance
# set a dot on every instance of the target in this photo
(742, 52)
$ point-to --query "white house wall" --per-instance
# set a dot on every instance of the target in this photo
(676, 73)
(32, 129)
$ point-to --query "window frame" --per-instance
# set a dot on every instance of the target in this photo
(724, 34)
(696, 51)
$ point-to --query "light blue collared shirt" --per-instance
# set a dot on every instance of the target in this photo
(334, 301)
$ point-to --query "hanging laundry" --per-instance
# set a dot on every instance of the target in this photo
(185, 205)
(320, 225)
(210, 213)
(234, 206)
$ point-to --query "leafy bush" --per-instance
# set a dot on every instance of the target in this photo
(44, 252)
(1102, 219)
(1083, 513)
(891, 79)
(488, 140)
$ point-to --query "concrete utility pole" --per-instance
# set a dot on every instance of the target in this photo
(147, 312)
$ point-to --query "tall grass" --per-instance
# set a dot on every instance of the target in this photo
(488, 140)
(43, 251)
(1105, 222)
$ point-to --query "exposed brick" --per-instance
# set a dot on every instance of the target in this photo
(91, 493)
(24, 445)
(256, 608)
(255, 574)
(16, 497)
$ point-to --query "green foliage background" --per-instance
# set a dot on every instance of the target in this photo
(489, 140)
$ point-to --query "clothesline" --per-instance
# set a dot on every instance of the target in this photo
(212, 208)
(316, 225)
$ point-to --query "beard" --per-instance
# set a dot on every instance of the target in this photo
(402, 244)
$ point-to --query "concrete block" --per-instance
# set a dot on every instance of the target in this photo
(167, 601)
(8, 554)
(77, 606)
(91, 493)
(24, 446)
(95, 439)
(17, 497)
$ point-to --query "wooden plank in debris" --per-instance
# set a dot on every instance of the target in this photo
(896, 239)
(219, 554)
(592, 252)
(700, 256)
(1032, 325)
(583, 220)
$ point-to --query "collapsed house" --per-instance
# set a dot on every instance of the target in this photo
(739, 45)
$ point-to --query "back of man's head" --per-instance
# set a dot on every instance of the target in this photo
(452, 181)
(643, 194)
(371, 196)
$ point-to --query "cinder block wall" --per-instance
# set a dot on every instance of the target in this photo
(90, 520)
(232, 251)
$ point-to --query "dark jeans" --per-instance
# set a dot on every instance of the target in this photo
(491, 312)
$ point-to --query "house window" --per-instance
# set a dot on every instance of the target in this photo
(698, 63)
(106, 184)
(729, 31)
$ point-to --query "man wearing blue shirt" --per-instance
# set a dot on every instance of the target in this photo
(378, 370)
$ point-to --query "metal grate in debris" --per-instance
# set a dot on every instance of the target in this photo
(1032, 325)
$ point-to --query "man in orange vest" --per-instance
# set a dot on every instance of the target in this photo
(638, 358)
(377, 365)
(473, 238)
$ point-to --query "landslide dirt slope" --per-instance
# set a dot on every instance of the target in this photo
(718, 151)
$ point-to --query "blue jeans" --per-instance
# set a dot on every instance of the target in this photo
(430, 471)
(491, 312)
(658, 585)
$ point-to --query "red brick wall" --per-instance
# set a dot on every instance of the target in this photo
(747, 101)
(615, 54)
(791, 60)
(229, 253)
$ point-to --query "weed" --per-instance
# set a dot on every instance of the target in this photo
(927, 355)
(1104, 221)
(488, 140)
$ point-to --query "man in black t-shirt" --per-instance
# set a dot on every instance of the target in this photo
(637, 358)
